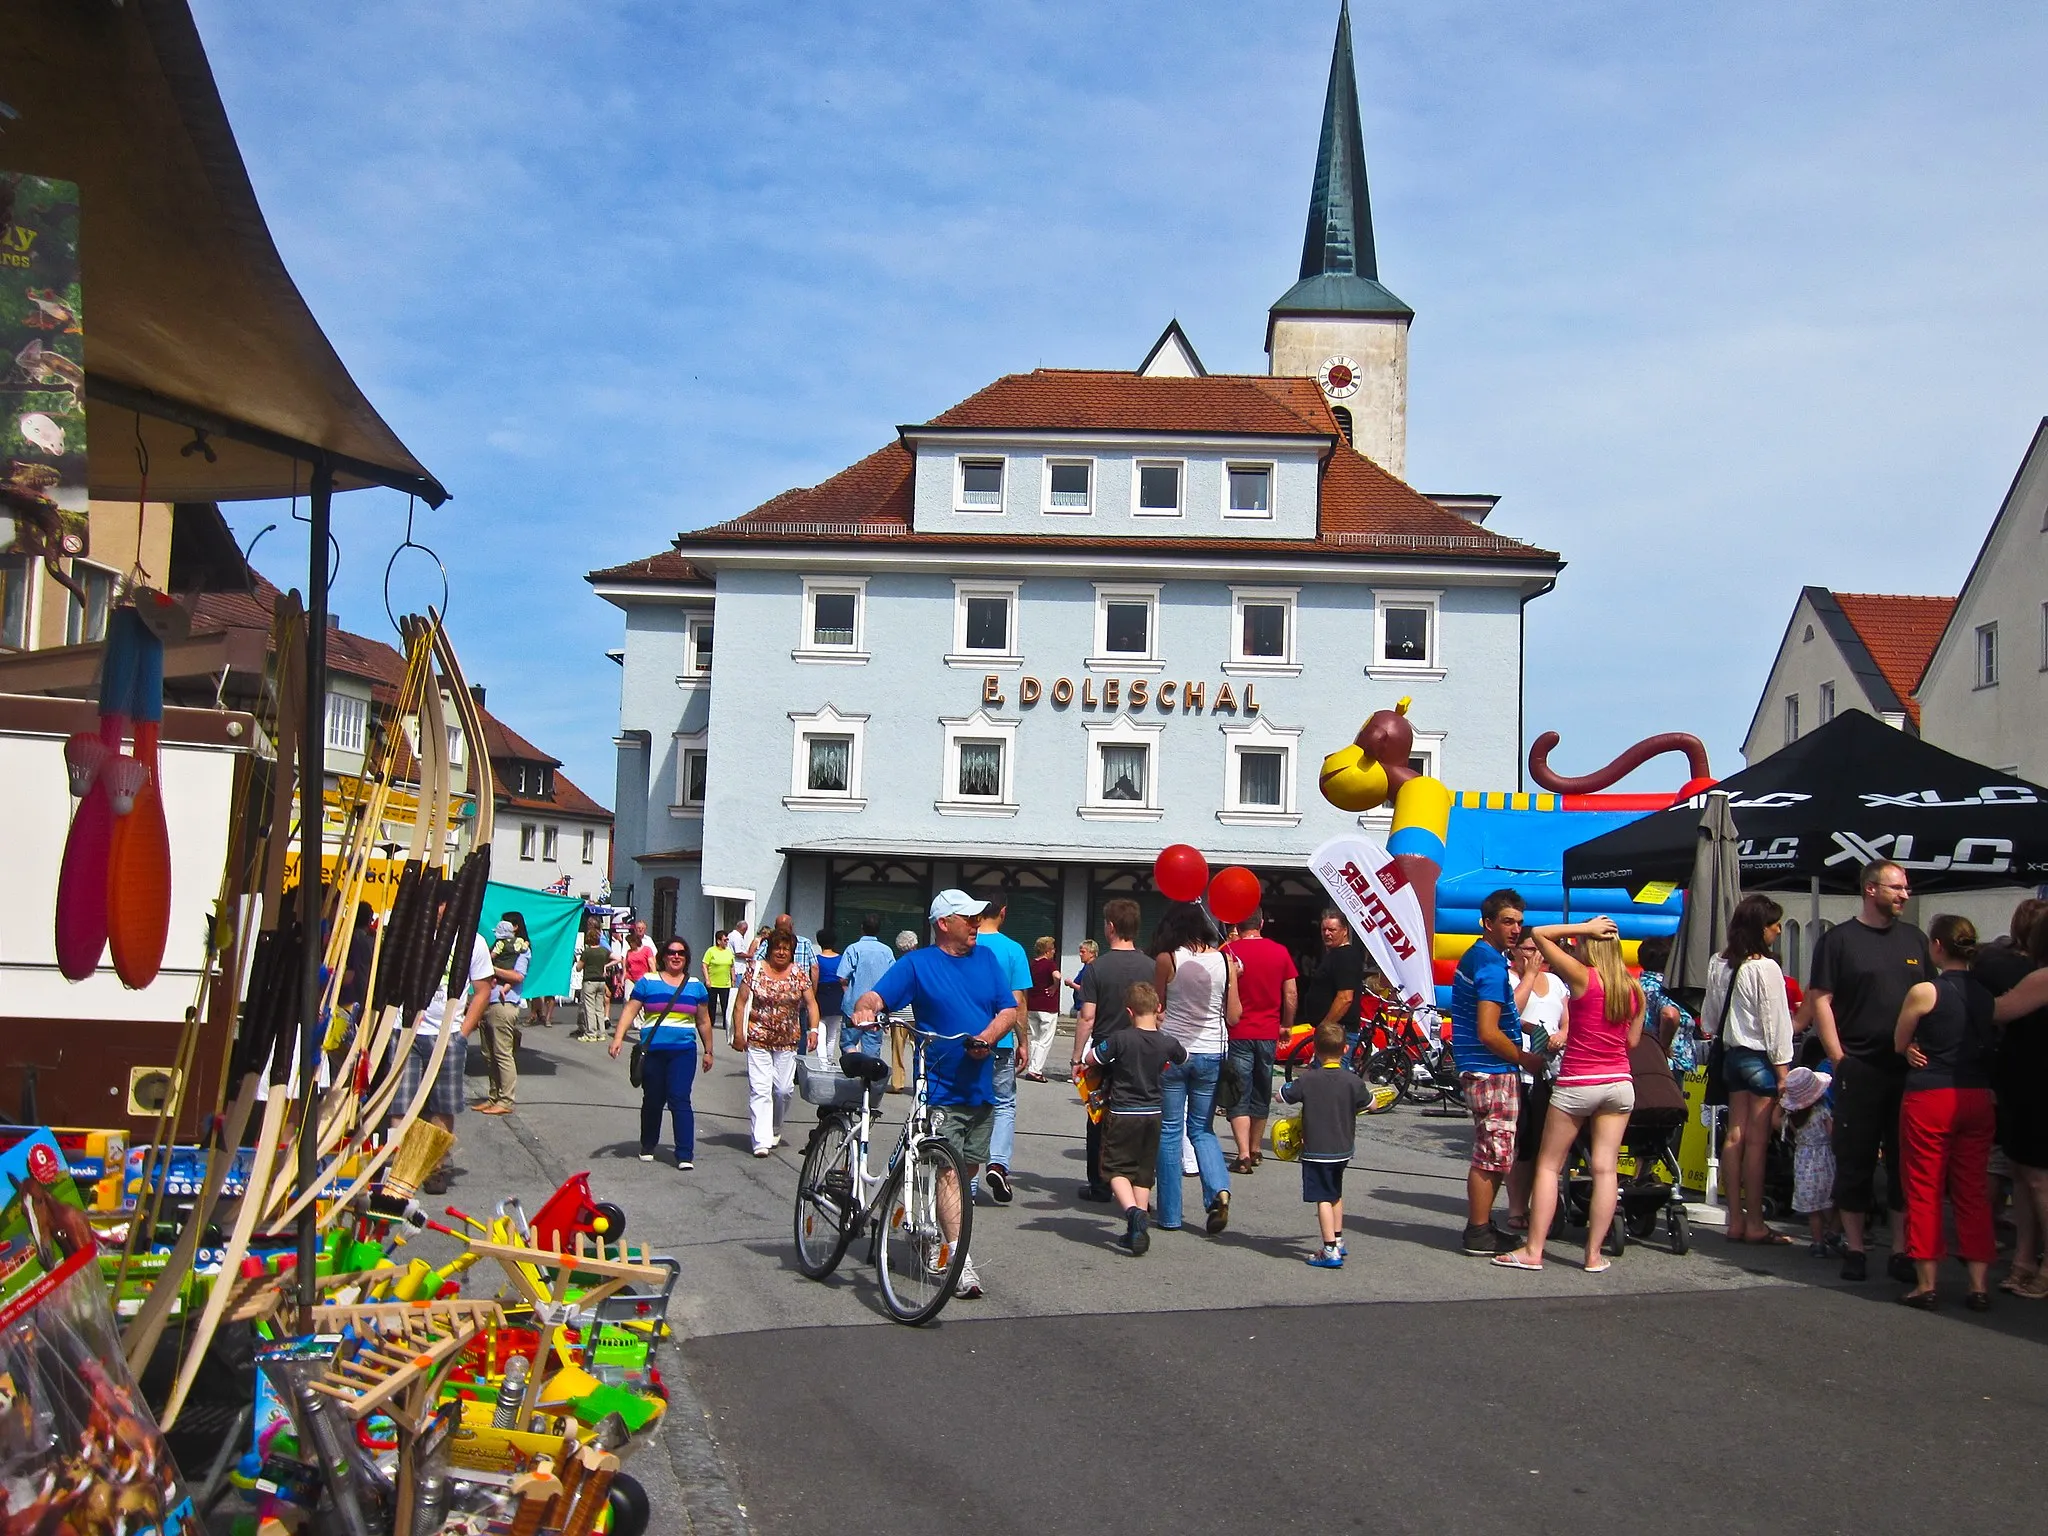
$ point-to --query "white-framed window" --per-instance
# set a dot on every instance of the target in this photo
(979, 767)
(17, 585)
(550, 843)
(1827, 704)
(1070, 486)
(1126, 629)
(825, 764)
(1791, 718)
(590, 845)
(1123, 771)
(86, 621)
(347, 716)
(1158, 487)
(834, 622)
(697, 660)
(1248, 490)
(985, 615)
(978, 483)
(1258, 775)
(1987, 655)
(1406, 635)
(1262, 632)
(693, 765)
(528, 835)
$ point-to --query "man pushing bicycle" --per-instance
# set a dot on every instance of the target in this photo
(964, 1005)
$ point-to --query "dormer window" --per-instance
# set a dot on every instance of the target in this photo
(1068, 484)
(981, 485)
(1250, 491)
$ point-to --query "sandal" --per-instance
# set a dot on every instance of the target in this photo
(1600, 1268)
(1769, 1240)
(1241, 1165)
(1517, 1260)
(2018, 1280)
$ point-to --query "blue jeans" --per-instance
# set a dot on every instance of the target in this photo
(864, 1042)
(666, 1078)
(1188, 1100)
(1002, 1140)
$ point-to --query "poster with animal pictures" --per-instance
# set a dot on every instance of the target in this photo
(79, 1449)
(42, 393)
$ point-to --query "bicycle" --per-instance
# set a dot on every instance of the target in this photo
(838, 1196)
(1397, 1051)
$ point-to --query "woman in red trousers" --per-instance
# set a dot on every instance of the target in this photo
(1947, 1034)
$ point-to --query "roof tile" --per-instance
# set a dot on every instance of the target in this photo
(1900, 632)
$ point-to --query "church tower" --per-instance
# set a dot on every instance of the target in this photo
(1337, 325)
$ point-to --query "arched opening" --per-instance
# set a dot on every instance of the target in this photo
(1343, 415)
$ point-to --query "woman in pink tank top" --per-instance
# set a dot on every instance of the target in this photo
(1593, 1082)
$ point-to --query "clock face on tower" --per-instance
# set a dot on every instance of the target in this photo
(1339, 378)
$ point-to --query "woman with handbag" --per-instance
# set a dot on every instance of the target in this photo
(1746, 996)
(778, 1016)
(665, 1057)
(1199, 982)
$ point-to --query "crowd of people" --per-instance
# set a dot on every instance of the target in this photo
(1909, 1082)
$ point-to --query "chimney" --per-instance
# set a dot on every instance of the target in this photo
(476, 691)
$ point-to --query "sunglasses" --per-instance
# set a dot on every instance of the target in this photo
(676, 954)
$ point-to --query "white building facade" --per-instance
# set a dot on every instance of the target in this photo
(1077, 617)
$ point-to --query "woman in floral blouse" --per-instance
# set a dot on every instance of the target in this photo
(780, 1012)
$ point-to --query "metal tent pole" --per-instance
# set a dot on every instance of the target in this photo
(312, 825)
(1812, 930)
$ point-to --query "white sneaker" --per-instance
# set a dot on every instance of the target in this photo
(683, 1166)
(646, 1157)
(969, 1288)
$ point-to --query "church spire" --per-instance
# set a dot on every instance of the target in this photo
(1339, 267)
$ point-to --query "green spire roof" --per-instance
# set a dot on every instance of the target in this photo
(1339, 268)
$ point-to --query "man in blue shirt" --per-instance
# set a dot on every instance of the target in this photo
(865, 961)
(964, 1006)
(1486, 1041)
(1017, 972)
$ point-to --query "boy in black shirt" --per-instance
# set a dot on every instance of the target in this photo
(1330, 1099)
(1134, 1058)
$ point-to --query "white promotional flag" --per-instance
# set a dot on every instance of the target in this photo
(1373, 893)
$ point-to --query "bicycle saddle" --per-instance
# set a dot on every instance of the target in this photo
(869, 1069)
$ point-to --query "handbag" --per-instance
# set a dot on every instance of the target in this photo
(636, 1060)
(1717, 1052)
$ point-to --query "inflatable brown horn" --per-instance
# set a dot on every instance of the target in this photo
(1627, 763)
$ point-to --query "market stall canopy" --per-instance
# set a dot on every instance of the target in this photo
(1853, 791)
(191, 318)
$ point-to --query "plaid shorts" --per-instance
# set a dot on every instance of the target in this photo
(446, 1097)
(1495, 1099)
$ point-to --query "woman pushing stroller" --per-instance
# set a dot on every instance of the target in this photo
(1605, 1020)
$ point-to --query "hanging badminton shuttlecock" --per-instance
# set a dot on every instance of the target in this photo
(124, 778)
(84, 753)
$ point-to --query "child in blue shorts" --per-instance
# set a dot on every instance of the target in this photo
(1330, 1100)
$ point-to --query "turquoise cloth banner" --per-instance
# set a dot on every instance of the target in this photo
(553, 923)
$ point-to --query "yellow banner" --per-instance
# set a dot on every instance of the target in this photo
(380, 878)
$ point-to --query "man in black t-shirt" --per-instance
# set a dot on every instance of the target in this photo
(1110, 975)
(1331, 988)
(1862, 971)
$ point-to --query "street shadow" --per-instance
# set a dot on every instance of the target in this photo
(1096, 1233)
(1449, 1204)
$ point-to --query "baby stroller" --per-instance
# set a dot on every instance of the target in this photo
(1649, 1189)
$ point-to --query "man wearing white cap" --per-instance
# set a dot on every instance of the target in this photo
(964, 1006)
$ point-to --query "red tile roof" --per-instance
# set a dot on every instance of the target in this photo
(1068, 399)
(1900, 632)
(668, 566)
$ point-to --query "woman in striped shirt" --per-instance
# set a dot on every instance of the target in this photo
(1605, 1020)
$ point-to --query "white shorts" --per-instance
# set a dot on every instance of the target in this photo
(1583, 1100)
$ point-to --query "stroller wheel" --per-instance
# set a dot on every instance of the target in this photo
(1681, 1230)
(1617, 1236)
(1642, 1225)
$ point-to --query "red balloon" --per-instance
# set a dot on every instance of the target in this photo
(1233, 894)
(1180, 873)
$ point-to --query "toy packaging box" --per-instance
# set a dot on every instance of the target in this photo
(79, 1449)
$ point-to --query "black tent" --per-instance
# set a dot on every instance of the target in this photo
(1853, 791)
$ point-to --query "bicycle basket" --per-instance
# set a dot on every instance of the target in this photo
(822, 1086)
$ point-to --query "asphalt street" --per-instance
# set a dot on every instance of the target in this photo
(1415, 1387)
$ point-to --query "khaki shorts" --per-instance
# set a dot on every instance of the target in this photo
(965, 1128)
(1585, 1100)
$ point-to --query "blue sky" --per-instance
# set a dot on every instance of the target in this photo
(1720, 299)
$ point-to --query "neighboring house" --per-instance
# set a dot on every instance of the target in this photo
(1968, 673)
(1072, 619)
(1845, 650)
(548, 831)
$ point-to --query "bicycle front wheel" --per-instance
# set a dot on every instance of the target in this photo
(916, 1264)
(824, 1200)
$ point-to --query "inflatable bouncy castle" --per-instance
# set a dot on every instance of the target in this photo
(1453, 849)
